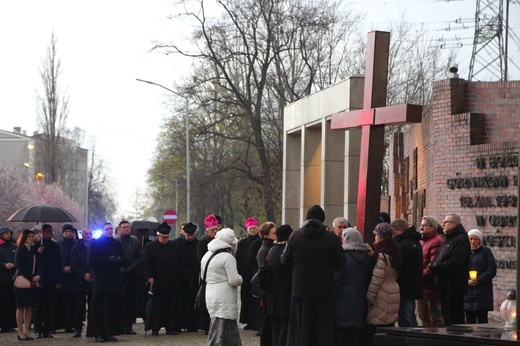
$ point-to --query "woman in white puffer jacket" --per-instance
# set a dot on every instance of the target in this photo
(222, 281)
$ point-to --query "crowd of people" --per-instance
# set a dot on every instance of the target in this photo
(326, 286)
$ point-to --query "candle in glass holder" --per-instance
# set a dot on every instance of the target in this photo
(473, 274)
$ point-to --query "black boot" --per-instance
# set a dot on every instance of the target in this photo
(77, 333)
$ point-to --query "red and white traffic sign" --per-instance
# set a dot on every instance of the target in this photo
(170, 216)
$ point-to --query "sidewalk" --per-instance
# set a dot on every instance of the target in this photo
(248, 338)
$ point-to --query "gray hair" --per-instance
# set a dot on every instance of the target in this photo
(431, 220)
(455, 218)
(337, 220)
(401, 224)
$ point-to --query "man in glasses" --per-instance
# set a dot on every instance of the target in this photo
(450, 268)
(132, 262)
(105, 256)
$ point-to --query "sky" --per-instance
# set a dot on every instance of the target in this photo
(105, 45)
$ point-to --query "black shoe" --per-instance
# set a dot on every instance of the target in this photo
(38, 335)
(111, 338)
(77, 333)
(100, 339)
(47, 336)
(155, 332)
(130, 331)
(69, 330)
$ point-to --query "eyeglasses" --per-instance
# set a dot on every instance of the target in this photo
(125, 227)
(426, 225)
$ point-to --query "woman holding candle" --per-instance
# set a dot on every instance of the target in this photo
(479, 298)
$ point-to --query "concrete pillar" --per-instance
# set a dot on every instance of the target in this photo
(311, 168)
(333, 170)
(291, 179)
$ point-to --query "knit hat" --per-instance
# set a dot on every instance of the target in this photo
(316, 212)
(4, 229)
(385, 217)
(164, 228)
(283, 232)
(477, 233)
(67, 226)
(189, 228)
(210, 221)
(384, 230)
(352, 235)
(250, 222)
(227, 235)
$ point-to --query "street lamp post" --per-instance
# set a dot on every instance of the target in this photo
(176, 188)
(188, 163)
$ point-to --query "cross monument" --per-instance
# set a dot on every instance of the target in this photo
(372, 120)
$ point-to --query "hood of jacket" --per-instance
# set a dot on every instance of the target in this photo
(313, 228)
(217, 244)
(358, 251)
(459, 229)
(410, 233)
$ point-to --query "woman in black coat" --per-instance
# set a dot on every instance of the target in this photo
(479, 298)
(279, 302)
(351, 289)
(27, 262)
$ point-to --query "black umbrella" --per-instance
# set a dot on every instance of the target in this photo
(41, 213)
(148, 312)
(151, 226)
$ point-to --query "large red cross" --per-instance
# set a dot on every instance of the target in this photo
(372, 120)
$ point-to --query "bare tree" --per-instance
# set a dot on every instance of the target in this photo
(254, 58)
(52, 111)
(101, 204)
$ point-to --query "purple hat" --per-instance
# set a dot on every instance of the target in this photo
(384, 230)
(251, 222)
(210, 221)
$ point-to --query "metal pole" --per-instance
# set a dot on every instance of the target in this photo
(176, 197)
(188, 164)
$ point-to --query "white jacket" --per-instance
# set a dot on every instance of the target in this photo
(222, 281)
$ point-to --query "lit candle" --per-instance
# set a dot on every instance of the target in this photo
(473, 274)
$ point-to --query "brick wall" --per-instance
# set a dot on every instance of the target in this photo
(470, 131)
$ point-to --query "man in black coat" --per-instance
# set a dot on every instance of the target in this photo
(142, 285)
(7, 270)
(106, 256)
(131, 263)
(189, 266)
(65, 295)
(313, 253)
(410, 278)
(160, 264)
(451, 269)
(51, 279)
(245, 269)
(82, 278)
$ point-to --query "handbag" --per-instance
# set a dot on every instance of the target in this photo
(200, 300)
(21, 281)
(261, 281)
